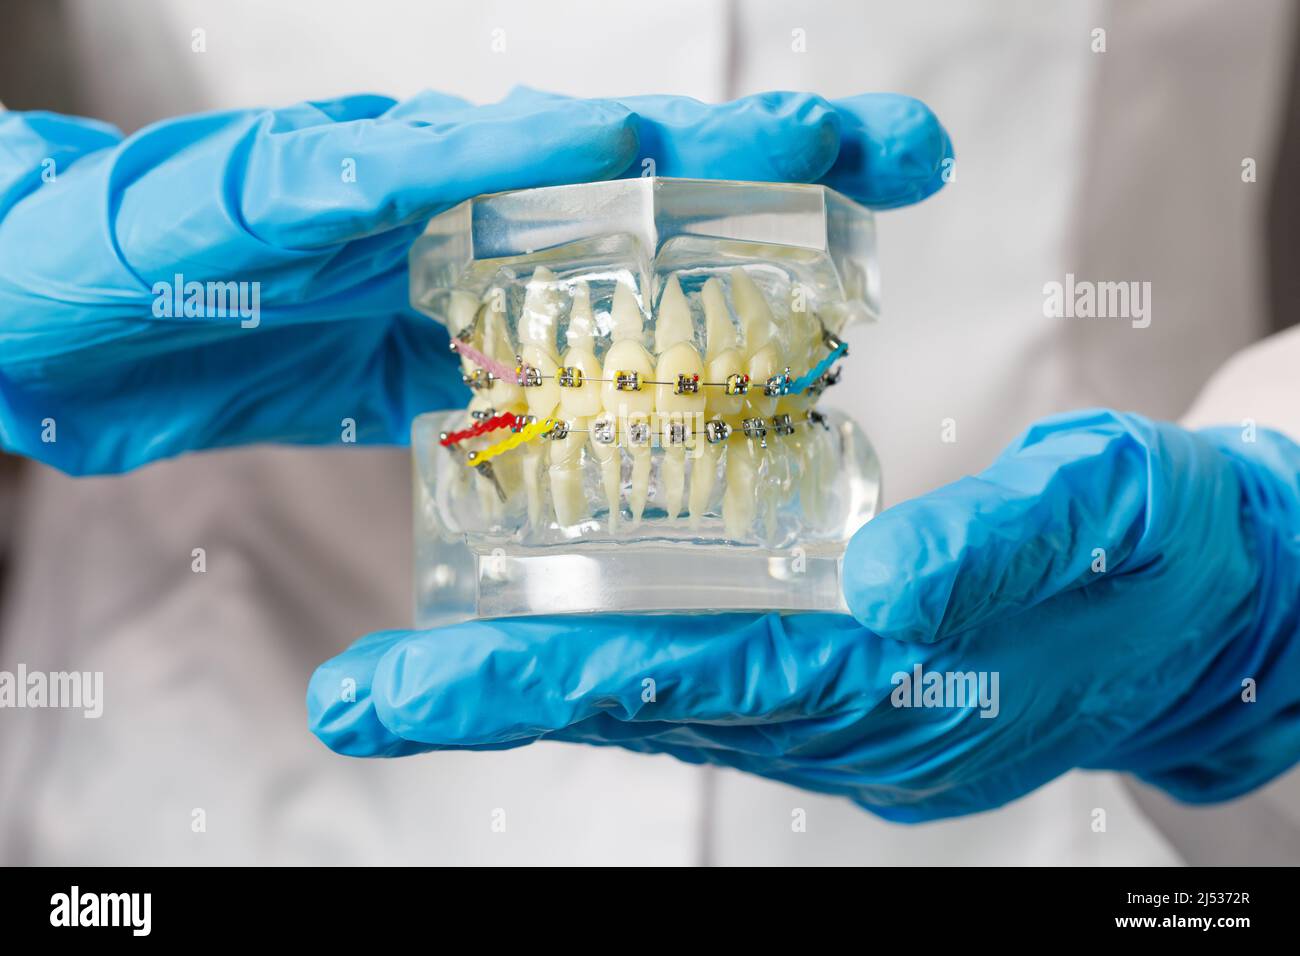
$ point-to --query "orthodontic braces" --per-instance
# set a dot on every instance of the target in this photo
(570, 376)
(527, 428)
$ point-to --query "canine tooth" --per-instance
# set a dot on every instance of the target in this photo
(678, 357)
(625, 318)
(719, 331)
(628, 363)
(751, 307)
(583, 400)
(462, 311)
(747, 456)
(673, 322)
(496, 344)
(537, 340)
(721, 344)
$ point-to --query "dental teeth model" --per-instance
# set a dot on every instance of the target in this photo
(644, 361)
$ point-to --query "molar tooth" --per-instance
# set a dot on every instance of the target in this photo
(630, 406)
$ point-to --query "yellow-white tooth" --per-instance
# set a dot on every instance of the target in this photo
(672, 473)
(755, 315)
(800, 448)
(719, 331)
(722, 352)
(776, 484)
(746, 456)
(674, 341)
(504, 395)
(762, 365)
(610, 463)
(625, 318)
(639, 489)
(462, 308)
(704, 472)
(583, 400)
(627, 355)
(530, 463)
(673, 322)
(739, 498)
(724, 359)
(811, 444)
(566, 475)
(537, 326)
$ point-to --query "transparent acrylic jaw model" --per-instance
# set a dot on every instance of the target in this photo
(645, 359)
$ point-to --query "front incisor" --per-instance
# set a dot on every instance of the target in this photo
(628, 354)
(674, 340)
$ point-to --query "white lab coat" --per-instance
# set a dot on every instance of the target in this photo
(1112, 166)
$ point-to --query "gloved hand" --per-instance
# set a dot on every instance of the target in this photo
(1134, 587)
(313, 209)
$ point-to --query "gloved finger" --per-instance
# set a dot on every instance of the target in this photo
(36, 144)
(295, 197)
(260, 194)
(893, 150)
(340, 711)
(769, 137)
(493, 681)
(1027, 528)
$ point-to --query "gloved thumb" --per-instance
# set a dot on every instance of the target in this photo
(1072, 492)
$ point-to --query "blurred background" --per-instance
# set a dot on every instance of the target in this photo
(1101, 139)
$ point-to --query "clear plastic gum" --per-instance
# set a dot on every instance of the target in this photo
(645, 359)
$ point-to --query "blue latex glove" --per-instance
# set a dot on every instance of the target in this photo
(268, 197)
(1135, 667)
